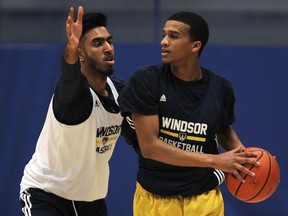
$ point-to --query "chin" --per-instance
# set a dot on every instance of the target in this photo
(165, 61)
(110, 72)
(107, 72)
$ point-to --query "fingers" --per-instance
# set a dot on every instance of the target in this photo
(248, 154)
(241, 163)
(80, 14)
(245, 170)
(70, 18)
(74, 28)
(241, 172)
(71, 12)
(238, 176)
(69, 21)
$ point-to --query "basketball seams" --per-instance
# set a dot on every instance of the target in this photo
(238, 188)
(264, 184)
(267, 178)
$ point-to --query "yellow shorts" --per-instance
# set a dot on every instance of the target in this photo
(148, 204)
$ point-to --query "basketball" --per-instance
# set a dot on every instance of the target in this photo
(262, 185)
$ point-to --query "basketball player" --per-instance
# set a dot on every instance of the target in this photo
(68, 173)
(180, 112)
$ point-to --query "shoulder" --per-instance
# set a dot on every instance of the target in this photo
(225, 86)
(118, 83)
(218, 79)
(150, 71)
(150, 75)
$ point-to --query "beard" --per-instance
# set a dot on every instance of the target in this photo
(94, 65)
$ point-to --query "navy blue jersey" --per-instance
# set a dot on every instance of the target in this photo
(190, 114)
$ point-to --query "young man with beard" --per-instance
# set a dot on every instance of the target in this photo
(68, 173)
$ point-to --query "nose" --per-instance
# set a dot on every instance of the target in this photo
(164, 41)
(108, 47)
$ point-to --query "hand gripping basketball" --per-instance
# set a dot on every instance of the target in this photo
(262, 185)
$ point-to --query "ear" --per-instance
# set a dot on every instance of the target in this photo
(196, 45)
(81, 54)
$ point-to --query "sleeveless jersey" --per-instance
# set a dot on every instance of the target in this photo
(72, 161)
(188, 126)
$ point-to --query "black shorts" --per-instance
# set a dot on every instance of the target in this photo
(37, 202)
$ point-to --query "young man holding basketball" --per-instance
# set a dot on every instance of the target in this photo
(68, 173)
(180, 111)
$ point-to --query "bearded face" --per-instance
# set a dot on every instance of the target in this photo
(98, 66)
(97, 52)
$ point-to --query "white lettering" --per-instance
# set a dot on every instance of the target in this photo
(184, 126)
(183, 146)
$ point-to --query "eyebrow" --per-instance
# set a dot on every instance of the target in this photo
(172, 31)
(101, 39)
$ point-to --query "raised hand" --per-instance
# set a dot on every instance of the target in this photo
(73, 33)
(74, 29)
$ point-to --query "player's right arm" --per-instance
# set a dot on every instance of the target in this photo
(147, 129)
(140, 97)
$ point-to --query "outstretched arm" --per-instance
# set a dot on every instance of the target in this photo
(73, 33)
(147, 129)
(72, 102)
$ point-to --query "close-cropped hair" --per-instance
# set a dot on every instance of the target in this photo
(199, 30)
(93, 20)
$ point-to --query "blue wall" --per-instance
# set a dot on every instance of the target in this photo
(27, 78)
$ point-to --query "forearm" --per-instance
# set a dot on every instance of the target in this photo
(228, 139)
(70, 53)
(152, 147)
(165, 153)
(72, 101)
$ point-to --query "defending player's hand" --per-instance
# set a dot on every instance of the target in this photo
(231, 161)
(74, 29)
(73, 33)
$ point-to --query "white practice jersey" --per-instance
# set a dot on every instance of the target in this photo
(72, 161)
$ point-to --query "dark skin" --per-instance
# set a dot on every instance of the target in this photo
(183, 55)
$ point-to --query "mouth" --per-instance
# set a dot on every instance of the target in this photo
(164, 52)
(109, 59)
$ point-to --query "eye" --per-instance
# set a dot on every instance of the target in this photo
(173, 36)
(98, 43)
(110, 41)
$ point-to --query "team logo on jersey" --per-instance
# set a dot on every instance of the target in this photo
(182, 136)
(104, 140)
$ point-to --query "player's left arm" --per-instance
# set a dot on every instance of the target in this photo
(228, 139)
(226, 136)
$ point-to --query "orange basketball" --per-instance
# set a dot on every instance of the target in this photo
(262, 185)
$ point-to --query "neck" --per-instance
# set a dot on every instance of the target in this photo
(99, 86)
(192, 73)
(97, 82)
